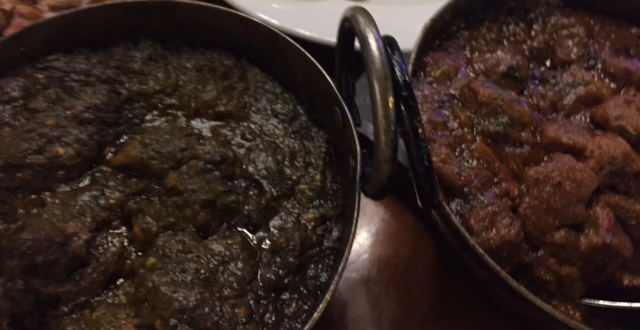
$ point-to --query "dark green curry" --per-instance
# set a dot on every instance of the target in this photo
(153, 187)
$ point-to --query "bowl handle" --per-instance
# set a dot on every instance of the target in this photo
(411, 128)
(358, 23)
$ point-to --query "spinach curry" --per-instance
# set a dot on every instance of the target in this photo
(144, 186)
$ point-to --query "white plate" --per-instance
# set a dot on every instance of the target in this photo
(317, 20)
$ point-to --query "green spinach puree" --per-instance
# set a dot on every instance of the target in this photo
(152, 187)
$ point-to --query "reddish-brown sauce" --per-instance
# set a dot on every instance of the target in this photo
(533, 117)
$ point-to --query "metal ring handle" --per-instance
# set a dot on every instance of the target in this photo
(358, 23)
(412, 129)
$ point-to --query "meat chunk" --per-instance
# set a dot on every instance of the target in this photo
(603, 250)
(559, 190)
(568, 92)
(627, 211)
(555, 274)
(497, 231)
(616, 164)
(620, 114)
(484, 160)
(620, 40)
(623, 69)
(446, 167)
(569, 259)
(609, 153)
(505, 66)
(564, 135)
(475, 171)
(604, 245)
(577, 90)
(504, 114)
(570, 41)
(518, 159)
(485, 96)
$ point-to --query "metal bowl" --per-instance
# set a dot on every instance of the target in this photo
(214, 27)
(502, 287)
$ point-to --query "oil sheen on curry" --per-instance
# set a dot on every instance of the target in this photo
(153, 187)
(533, 117)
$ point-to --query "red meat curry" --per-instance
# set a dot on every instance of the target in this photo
(533, 117)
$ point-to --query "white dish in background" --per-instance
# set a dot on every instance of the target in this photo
(318, 20)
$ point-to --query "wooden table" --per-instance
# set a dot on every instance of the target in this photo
(398, 278)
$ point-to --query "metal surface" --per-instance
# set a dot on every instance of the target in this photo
(610, 304)
(412, 129)
(209, 26)
(358, 23)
